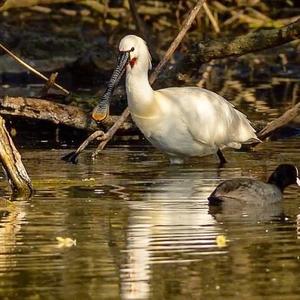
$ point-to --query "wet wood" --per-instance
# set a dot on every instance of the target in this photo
(73, 156)
(56, 113)
(251, 42)
(274, 125)
(12, 163)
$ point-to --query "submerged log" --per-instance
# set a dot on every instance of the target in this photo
(243, 44)
(56, 113)
(12, 163)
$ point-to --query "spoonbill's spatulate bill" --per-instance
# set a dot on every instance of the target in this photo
(180, 121)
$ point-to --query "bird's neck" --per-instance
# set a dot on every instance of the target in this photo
(279, 183)
(140, 95)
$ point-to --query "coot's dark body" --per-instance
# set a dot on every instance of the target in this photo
(253, 191)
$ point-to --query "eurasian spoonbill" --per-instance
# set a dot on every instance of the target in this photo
(180, 121)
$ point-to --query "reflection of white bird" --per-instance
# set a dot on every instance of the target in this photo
(167, 224)
(180, 121)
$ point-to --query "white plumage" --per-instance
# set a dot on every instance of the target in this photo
(180, 121)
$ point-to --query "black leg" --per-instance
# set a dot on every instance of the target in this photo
(221, 157)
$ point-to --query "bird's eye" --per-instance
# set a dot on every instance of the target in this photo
(132, 49)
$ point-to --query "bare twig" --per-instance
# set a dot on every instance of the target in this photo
(212, 19)
(111, 132)
(31, 69)
(274, 125)
(49, 84)
(73, 156)
(208, 69)
(185, 27)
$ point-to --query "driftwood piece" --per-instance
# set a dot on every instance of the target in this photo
(284, 119)
(56, 113)
(251, 42)
(12, 164)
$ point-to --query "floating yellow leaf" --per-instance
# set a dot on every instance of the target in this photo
(88, 179)
(221, 241)
(65, 242)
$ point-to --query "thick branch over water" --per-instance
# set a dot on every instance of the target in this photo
(253, 41)
(276, 124)
(56, 113)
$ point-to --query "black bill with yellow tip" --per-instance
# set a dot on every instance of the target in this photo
(101, 111)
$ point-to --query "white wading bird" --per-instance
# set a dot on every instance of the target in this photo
(180, 121)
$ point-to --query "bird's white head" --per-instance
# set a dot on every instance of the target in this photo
(134, 56)
(139, 56)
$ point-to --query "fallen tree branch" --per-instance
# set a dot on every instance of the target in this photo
(284, 119)
(39, 109)
(12, 164)
(243, 44)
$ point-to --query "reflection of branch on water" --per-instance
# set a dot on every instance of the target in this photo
(10, 225)
(120, 191)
